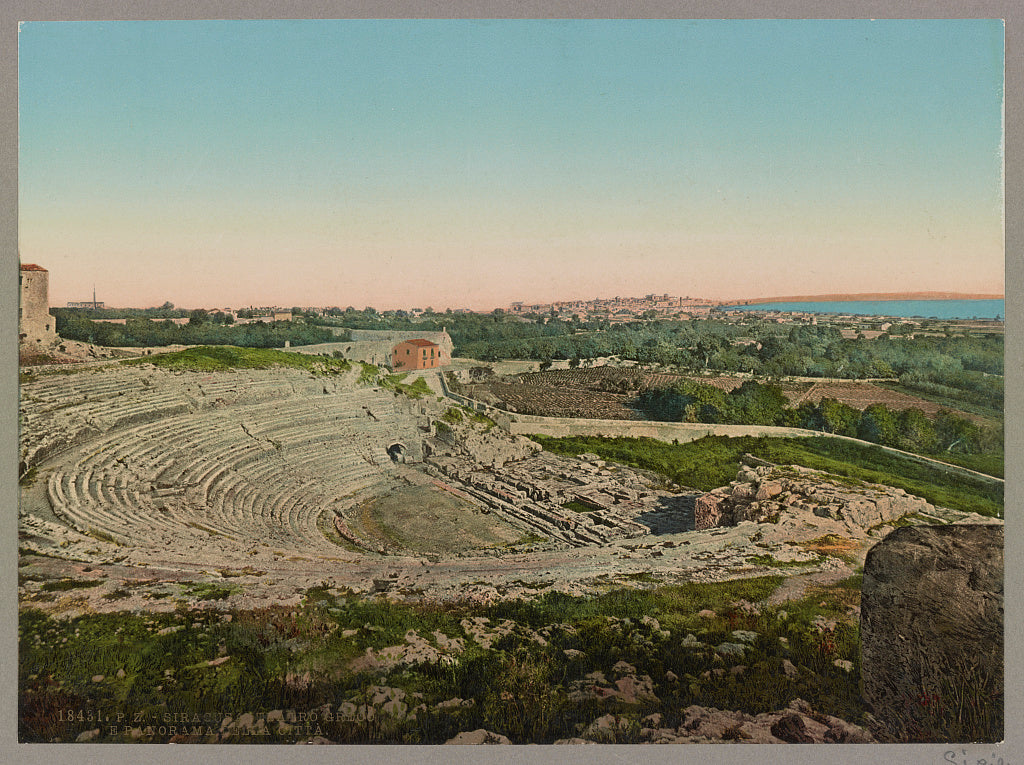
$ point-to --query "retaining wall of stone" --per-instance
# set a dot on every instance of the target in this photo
(662, 431)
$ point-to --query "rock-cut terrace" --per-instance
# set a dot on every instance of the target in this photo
(279, 479)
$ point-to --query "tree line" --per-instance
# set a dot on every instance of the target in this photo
(201, 329)
(958, 367)
(755, 403)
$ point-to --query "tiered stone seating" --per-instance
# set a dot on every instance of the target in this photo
(257, 471)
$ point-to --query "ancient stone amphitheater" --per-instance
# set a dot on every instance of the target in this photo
(155, 460)
(280, 479)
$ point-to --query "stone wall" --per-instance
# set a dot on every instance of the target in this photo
(374, 346)
(932, 634)
(560, 427)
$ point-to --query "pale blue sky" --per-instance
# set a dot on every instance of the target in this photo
(473, 163)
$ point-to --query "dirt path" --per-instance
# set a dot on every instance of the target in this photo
(796, 587)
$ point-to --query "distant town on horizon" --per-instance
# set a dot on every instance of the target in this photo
(650, 301)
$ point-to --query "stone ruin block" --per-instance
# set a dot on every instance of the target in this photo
(743, 491)
(708, 511)
(767, 490)
(753, 511)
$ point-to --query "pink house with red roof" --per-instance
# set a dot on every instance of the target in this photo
(416, 354)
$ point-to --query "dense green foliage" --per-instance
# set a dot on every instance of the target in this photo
(954, 367)
(166, 311)
(713, 461)
(141, 332)
(961, 367)
(752, 403)
(215, 358)
(755, 403)
(300, 658)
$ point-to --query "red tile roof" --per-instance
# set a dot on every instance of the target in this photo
(419, 342)
(31, 267)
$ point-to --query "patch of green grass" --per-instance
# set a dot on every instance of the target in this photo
(28, 477)
(62, 585)
(244, 571)
(369, 373)
(481, 419)
(990, 464)
(828, 540)
(769, 560)
(209, 591)
(457, 414)
(532, 585)
(453, 415)
(578, 507)
(214, 358)
(418, 388)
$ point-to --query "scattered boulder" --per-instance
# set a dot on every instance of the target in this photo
(798, 723)
(791, 495)
(478, 736)
(791, 729)
(607, 728)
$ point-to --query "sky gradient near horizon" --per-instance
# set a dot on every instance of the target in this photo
(452, 163)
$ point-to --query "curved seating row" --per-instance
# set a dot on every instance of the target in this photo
(254, 472)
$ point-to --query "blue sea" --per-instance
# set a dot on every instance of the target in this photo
(925, 309)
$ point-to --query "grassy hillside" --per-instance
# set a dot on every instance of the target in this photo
(714, 461)
(207, 358)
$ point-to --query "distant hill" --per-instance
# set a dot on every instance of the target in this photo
(867, 296)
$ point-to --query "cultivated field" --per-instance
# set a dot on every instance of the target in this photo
(608, 393)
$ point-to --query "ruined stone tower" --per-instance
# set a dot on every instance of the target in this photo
(35, 324)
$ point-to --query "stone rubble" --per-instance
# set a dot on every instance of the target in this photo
(786, 495)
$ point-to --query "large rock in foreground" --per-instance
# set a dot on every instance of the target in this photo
(932, 634)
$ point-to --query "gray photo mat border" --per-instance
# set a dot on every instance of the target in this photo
(11, 12)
